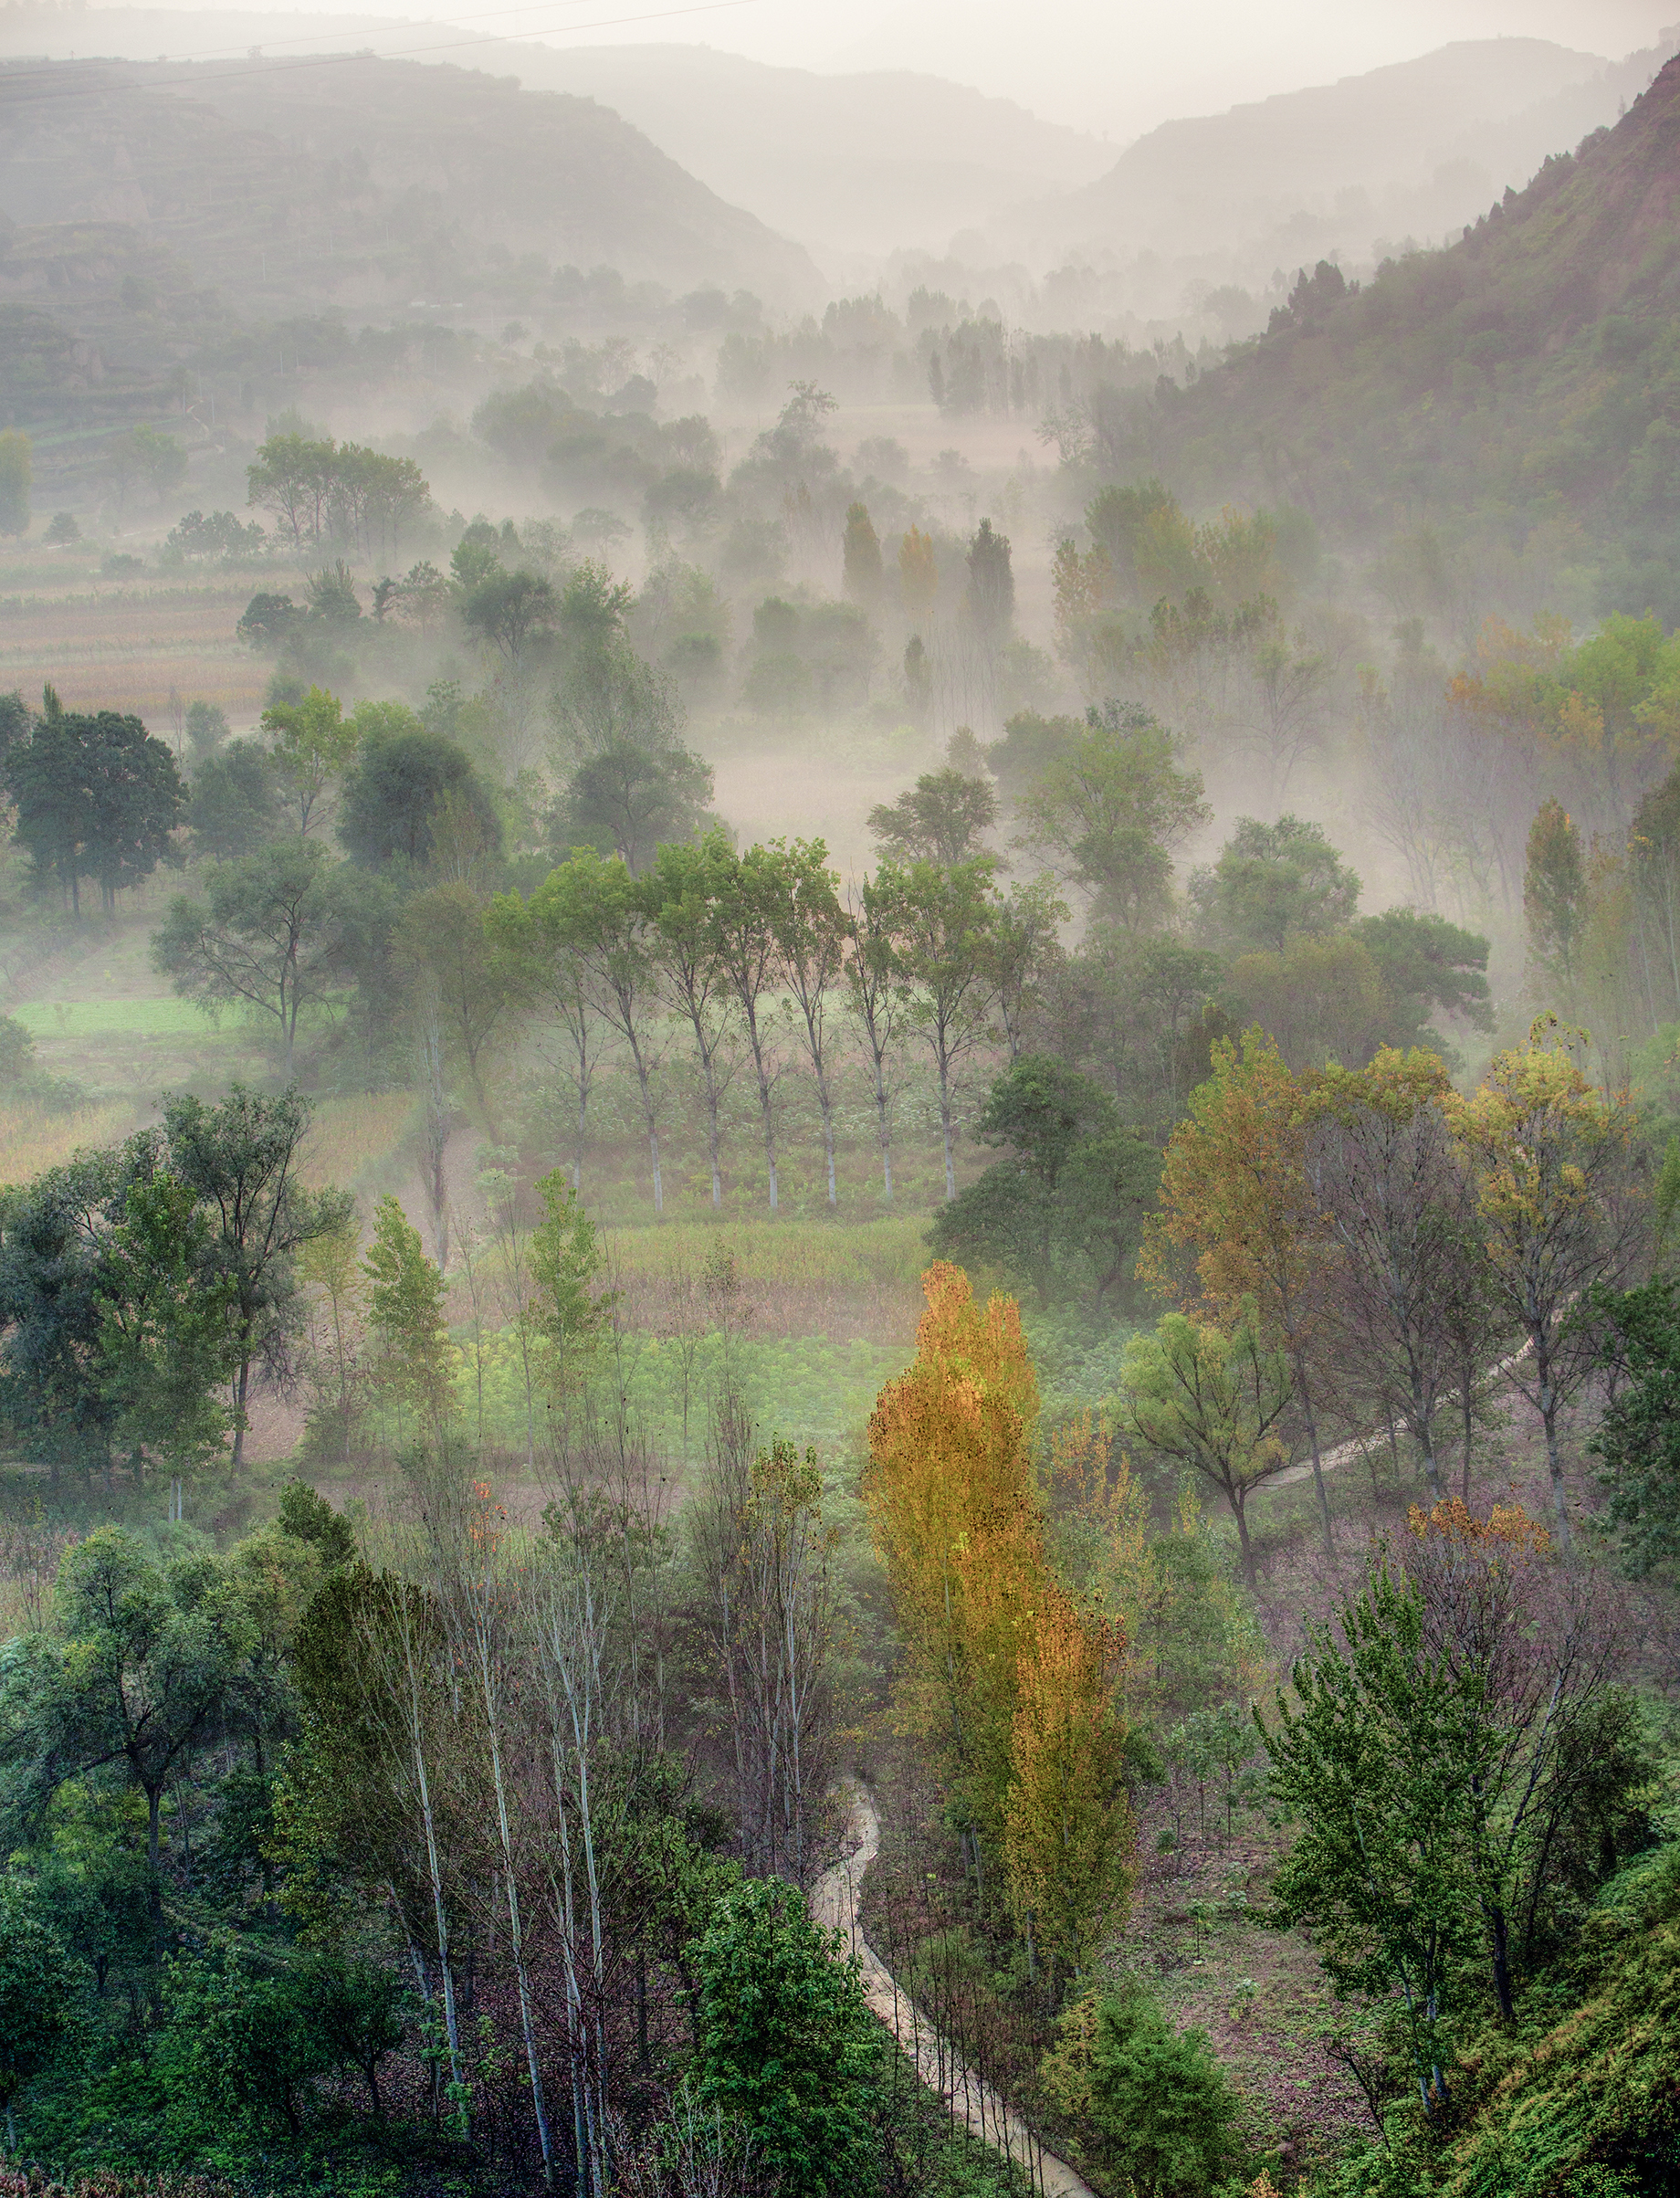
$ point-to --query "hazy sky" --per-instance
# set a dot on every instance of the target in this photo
(1114, 65)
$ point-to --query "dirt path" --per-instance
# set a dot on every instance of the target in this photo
(834, 1902)
(1361, 1445)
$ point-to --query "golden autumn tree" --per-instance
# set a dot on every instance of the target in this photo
(1067, 1829)
(952, 1500)
(1234, 1192)
(1562, 1208)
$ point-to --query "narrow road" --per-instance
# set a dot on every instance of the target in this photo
(834, 1902)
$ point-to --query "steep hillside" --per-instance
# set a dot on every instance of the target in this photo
(1519, 393)
(862, 163)
(364, 182)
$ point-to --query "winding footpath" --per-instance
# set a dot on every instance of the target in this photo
(971, 2101)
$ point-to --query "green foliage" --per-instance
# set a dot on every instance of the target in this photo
(405, 1305)
(308, 1517)
(40, 1985)
(398, 788)
(1277, 882)
(1638, 1439)
(1158, 2099)
(168, 1325)
(97, 797)
(784, 2041)
(1074, 1196)
(235, 805)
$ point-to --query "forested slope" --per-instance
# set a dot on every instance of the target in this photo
(1517, 388)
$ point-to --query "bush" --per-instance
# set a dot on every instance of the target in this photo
(1158, 2100)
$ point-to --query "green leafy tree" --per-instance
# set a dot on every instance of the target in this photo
(784, 2040)
(631, 801)
(1025, 1211)
(592, 909)
(1274, 883)
(402, 783)
(167, 1334)
(566, 1266)
(945, 918)
(1212, 1398)
(133, 1672)
(270, 937)
(1637, 1442)
(405, 1306)
(235, 802)
(940, 819)
(41, 1982)
(52, 1231)
(1115, 807)
(314, 744)
(511, 612)
(680, 892)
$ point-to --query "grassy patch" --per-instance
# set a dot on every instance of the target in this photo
(32, 1137)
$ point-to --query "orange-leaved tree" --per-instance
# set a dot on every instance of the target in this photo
(1234, 1190)
(955, 1514)
(1067, 1829)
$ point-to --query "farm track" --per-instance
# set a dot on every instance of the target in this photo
(972, 2101)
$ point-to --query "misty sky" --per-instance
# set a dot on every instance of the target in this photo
(1119, 65)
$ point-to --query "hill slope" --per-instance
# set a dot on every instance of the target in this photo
(1519, 391)
(362, 181)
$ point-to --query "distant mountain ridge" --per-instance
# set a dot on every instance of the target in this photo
(867, 163)
(1353, 169)
(367, 179)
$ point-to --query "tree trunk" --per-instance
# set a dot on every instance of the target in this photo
(1501, 1965)
(885, 1127)
(951, 1172)
(1242, 1535)
(242, 1385)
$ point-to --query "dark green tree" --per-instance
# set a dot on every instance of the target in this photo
(1637, 1441)
(96, 797)
(1160, 2100)
(630, 801)
(40, 1982)
(134, 1671)
(235, 805)
(784, 2040)
(240, 1160)
(394, 791)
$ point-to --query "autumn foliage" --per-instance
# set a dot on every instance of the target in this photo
(1007, 1677)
